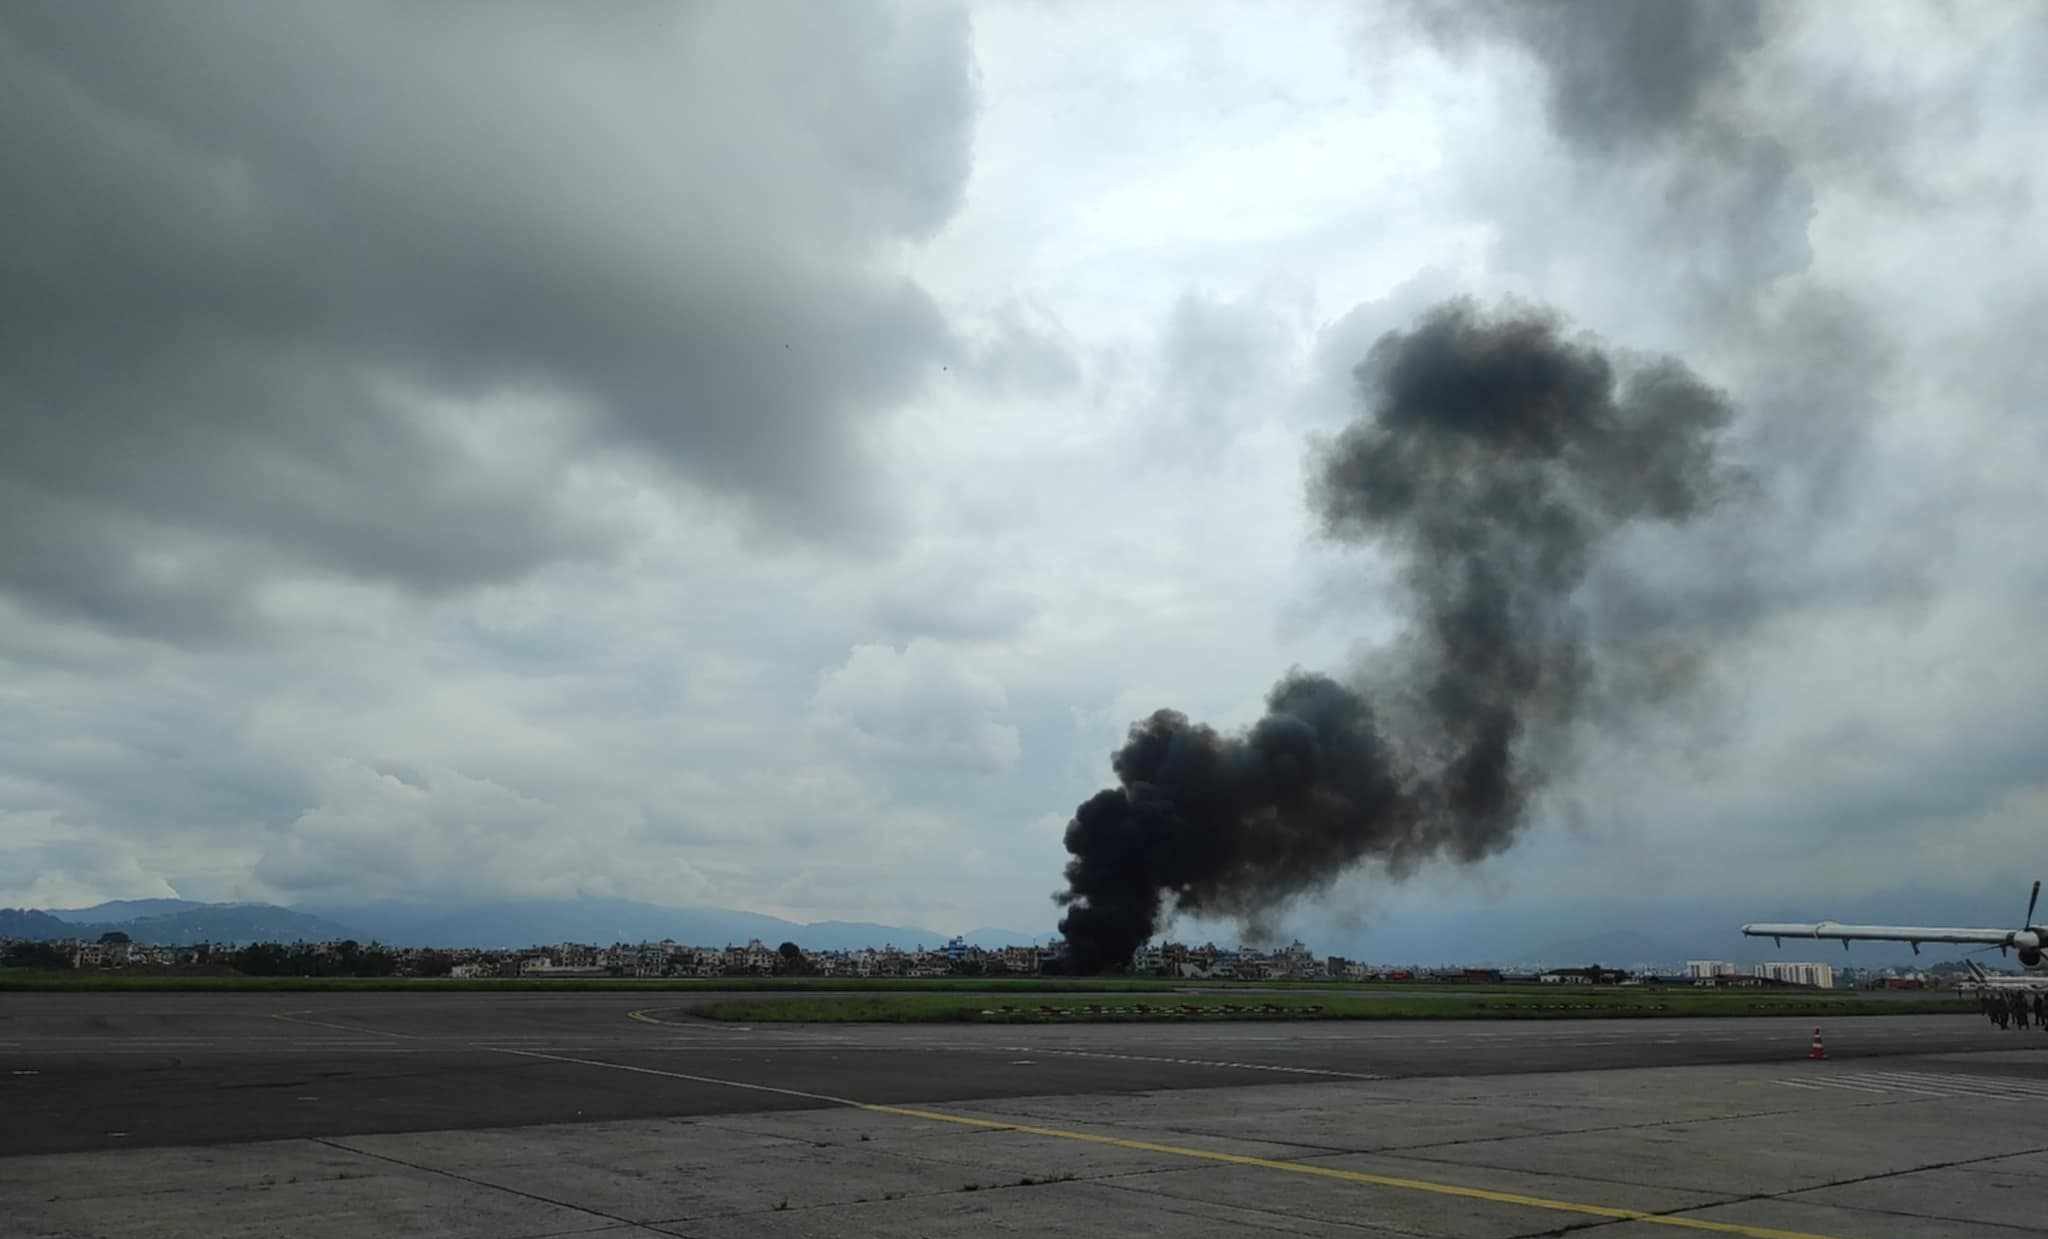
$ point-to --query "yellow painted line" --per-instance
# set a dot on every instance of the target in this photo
(643, 1017)
(1234, 1159)
(1356, 1176)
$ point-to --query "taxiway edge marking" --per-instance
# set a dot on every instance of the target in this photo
(1236, 1159)
(643, 1017)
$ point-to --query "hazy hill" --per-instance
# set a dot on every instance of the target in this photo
(1539, 932)
(988, 939)
(115, 911)
(527, 922)
(501, 923)
(30, 923)
(236, 922)
(211, 922)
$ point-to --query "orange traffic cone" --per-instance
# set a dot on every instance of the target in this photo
(1818, 1050)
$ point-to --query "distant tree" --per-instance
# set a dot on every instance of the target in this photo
(113, 937)
(261, 959)
(34, 955)
(345, 961)
(433, 964)
(789, 960)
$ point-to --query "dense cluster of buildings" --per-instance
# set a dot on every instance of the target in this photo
(674, 959)
(125, 954)
(1723, 972)
(957, 958)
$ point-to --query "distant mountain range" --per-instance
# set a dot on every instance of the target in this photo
(1545, 933)
(524, 922)
(188, 924)
(29, 923)
(497, 923)
(117, 910)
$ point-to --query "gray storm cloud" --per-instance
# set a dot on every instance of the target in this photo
(1496, 460)
(275, 272)
(470, 387)
(1619, 73)
(1668, 147)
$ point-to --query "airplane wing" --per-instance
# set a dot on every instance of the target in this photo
(1834, 931)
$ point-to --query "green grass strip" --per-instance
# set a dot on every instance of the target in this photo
(944, 1008)
(28, 980)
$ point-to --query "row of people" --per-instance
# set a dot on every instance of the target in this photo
(2007, 1007)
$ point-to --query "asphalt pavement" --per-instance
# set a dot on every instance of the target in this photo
(531, 1115)
(97, 1071)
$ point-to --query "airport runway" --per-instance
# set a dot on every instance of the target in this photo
(276, 1113)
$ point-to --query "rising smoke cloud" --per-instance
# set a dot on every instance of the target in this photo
(1496, 458)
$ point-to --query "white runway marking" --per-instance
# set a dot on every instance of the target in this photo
(678, 1075)
(1927, 1084)
(2003, 1085)
(298, 1017)
(1190, 1062)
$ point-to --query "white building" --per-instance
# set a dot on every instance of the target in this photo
(1820, 976)
(1708, 969)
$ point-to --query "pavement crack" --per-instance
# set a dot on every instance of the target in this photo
(472, 1180)
(1881, 1175)
(1789, 1193)
(1327, 1150)
(885, 1199)
(1395, 1150)
(1380, 1227)
(748, 1131)
(1940, 1217)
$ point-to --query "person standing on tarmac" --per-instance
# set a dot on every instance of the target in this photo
(2019, 1009)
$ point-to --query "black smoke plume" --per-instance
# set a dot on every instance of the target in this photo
(1494, 460)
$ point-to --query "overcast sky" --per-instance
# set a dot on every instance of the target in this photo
(766, 455)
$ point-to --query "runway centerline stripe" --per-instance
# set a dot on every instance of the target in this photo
(1188, 1062)
(679, 1075)
(295, 1017)
(1235, 1159)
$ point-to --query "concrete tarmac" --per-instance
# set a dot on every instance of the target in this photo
(541, 1114)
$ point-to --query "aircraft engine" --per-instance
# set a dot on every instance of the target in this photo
(2030, 956)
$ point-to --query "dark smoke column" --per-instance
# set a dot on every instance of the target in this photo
(1494, 459)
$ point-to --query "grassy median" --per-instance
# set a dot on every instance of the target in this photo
(1046, 1000)
(1465, 1005)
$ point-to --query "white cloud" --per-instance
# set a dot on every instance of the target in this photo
(922, 704)
(556, 647)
